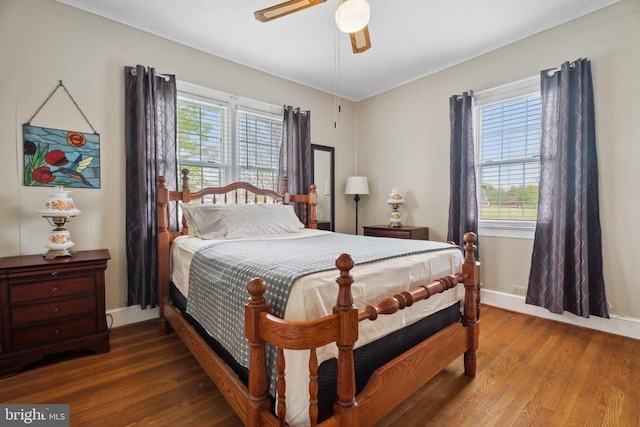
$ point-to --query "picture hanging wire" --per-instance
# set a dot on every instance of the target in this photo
(72, 100)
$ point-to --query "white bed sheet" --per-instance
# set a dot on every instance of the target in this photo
(314, 296)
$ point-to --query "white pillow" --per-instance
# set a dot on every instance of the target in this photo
(292, 212)
(211, 221)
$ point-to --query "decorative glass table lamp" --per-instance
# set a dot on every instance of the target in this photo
(58, 208)
(395, 200)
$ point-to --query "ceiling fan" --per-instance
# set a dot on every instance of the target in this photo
(352, 17)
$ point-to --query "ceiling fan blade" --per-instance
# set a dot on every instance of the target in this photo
(284, 9)
(360, 40)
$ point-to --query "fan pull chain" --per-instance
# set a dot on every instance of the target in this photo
(336, 98)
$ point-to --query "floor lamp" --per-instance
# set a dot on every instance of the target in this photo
(357, 185)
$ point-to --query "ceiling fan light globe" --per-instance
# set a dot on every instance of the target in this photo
(352, 15)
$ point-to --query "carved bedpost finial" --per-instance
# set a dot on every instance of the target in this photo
(344, 263)
(256, 287)
(185, 179)
(470, 248)
(313, 202)
(285, 189)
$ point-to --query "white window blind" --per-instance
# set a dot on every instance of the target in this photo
(508, 133)
(224, 138)
(259, 136)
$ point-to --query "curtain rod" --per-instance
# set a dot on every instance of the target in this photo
(134, 72)
(552, 71)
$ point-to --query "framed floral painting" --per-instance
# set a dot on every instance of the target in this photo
(55, 157)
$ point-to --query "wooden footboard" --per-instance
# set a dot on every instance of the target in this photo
(391, 383)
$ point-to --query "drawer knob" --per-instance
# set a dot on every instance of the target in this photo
(54, 273)
(55, 289)
(56, 332)
(56, 310)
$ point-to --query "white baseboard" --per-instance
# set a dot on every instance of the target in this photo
(133, 314)
(619, 325)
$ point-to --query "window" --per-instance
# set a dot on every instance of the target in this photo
(203, 142)
(223, 138)
(258, 147)
(508, 132)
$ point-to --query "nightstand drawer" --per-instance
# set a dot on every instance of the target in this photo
(34, 313)
(406, 232)
(53, 332)
(398, 234)
(51, 287)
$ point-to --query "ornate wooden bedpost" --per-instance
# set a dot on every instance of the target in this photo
(186, 193)
(258, 386)
(162, 249)
(285, 190)
(313, 201)
(471, 269)
(307, 202)
(346, 404)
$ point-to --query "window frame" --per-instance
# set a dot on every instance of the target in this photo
(206, 96)
(500, 228)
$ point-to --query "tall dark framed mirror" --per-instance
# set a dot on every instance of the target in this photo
(322, 172)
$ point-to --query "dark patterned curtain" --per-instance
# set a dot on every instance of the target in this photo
(295, 152)
(463, 203)
(150, 148)
(566, 265)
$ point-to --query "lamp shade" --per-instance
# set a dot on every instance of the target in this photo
(59, 204)
(352, 15)
(357, 185)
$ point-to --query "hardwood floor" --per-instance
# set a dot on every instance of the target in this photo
(531, 372)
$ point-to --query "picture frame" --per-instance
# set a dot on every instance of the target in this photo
(57, 157)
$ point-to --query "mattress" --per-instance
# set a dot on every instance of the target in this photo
(314, 296)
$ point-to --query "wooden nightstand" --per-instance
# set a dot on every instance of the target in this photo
(324, 225)
(49, 306)
(406, 232)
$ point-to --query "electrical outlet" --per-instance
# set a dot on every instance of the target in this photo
(519, 290)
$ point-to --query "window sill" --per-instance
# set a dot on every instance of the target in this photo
(507, 230)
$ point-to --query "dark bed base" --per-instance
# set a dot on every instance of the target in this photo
(367, 358)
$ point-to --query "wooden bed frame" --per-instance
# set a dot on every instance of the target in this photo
(387, 387)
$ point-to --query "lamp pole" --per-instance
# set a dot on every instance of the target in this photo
(356, 198)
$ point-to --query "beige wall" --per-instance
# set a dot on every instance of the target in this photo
(403, 140)
(42, 42)
(402, 135)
